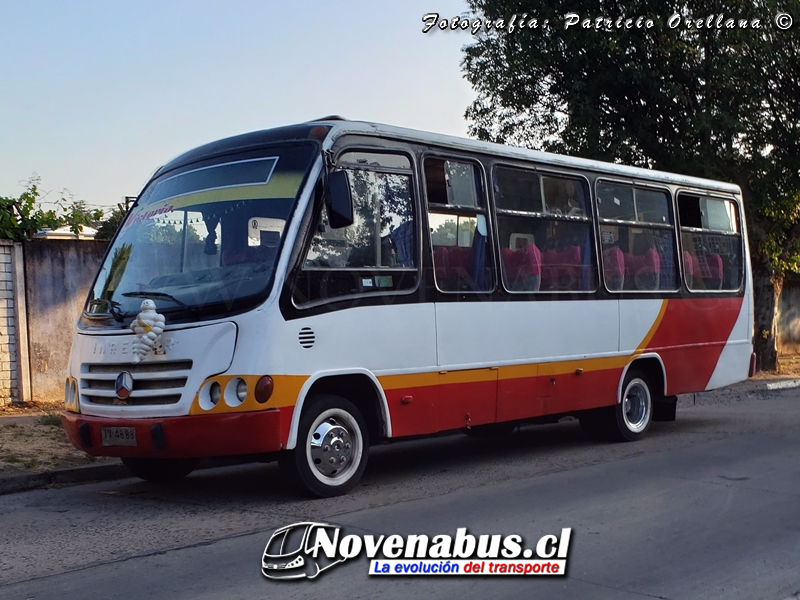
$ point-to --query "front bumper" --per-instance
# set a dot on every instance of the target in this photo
(183, 437)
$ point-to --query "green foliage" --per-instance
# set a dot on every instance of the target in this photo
(108, 227)
(21, 217)
(77, 215)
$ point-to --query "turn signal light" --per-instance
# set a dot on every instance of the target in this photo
(264, 388)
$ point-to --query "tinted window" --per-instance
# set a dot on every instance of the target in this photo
(551, 248)
(638, 238)
(712, 243)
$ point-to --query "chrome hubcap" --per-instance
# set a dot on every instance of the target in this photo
(331, 447)
(636, 406)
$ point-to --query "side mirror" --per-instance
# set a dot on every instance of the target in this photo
(338, 200)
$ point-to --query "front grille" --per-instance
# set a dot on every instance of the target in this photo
(153, 383)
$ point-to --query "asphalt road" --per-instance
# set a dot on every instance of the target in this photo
(706, 507)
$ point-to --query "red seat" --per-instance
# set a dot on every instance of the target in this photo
(614, 268)
(561, 269)
(644, 270)
(521, 265)
(451, 263)
(710, 268)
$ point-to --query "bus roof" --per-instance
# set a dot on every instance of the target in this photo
(332, 128)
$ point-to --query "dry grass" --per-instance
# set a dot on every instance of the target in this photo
(31, 440)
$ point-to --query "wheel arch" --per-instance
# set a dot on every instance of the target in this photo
(360, 387)
(653, 368)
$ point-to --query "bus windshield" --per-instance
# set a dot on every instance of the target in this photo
(203, 239)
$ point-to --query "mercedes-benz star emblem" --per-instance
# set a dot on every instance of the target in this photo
(124, 385)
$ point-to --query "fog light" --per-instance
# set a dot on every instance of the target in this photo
(264, 389)
(214, 393)
(68, 393)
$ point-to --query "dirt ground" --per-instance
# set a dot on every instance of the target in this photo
(31, 438)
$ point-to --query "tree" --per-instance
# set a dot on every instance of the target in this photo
(108, 226)
(22, 217)
(707, 87)
(77, 215)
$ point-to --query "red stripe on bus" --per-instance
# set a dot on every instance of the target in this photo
(690, 339)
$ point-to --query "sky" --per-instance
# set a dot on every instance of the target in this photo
(95, 95)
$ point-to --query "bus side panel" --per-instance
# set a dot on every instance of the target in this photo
(412, 403)
(734, 362)
(691, 337)
(564, 387)
(467, 398)
(589, 389)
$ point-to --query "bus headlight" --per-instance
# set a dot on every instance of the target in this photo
(241, 390)
(214, 393)
(235, 392)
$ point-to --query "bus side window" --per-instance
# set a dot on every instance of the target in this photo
(377, 253)
(712, 243)
(545, 232)
(458, 226)
(637, 234)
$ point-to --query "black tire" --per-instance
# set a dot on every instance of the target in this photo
(332, 447)
(160, 470)
(629, 419)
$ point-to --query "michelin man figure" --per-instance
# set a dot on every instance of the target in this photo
(148, 326)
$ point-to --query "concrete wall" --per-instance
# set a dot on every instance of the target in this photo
(58, 274)
(9, 347)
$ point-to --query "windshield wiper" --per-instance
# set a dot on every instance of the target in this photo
(111, 306)
(160, 295)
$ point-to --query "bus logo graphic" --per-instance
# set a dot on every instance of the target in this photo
(293, 553)
(124, 385)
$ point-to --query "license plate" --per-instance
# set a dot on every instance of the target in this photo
(119, 436)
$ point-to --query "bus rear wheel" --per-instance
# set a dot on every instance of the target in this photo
(332, 447)
(160, 470)
(629, 419)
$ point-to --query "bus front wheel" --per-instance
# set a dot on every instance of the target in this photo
(332, 447)
(160, 470)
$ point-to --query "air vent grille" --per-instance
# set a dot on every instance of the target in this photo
(307, 337)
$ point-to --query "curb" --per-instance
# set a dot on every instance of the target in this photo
(31, 481)
(787, 384)
(24, 482)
